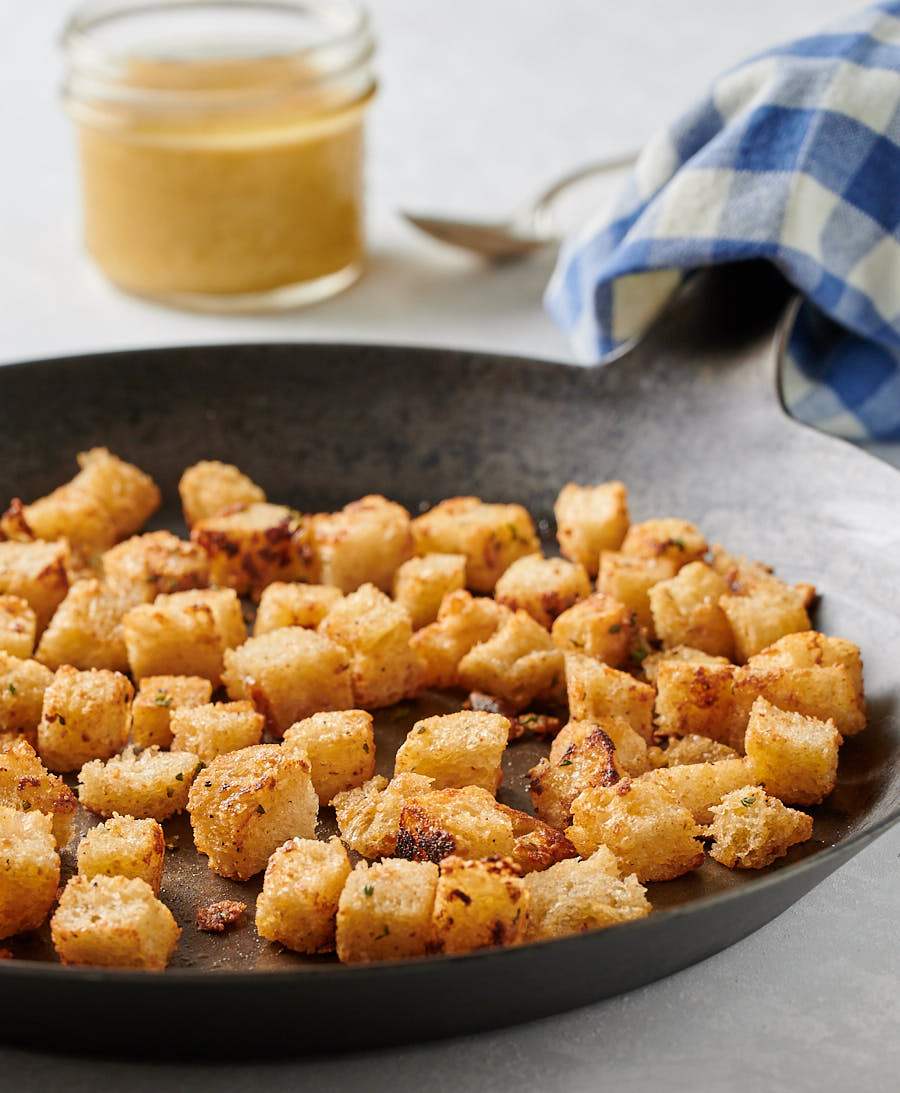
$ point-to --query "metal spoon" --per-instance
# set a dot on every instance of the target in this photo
(530, 229)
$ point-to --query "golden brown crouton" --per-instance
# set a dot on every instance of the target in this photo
(677, 540)
(589, 520)
(37, 572)
(301, 889)
(750, 829)
(628, 578)
(113, 922)
(544, 587)
(463, 622)
(598, 626)
(369, 816)
(574, 896)
(376, 634)
(518, 663)
(478, 904)
(124, 847)
(289, 674)
(286, 603)
(696, 697)
(209, 487)
(631, 748)
(763, 615)
(826, 692)
(157, 699)
(86, 715)
(18, 626)
(596, 692)
(794, 757)
(22, 686)
(690, 749)
(365, 543)
(554, 784)
(156, 562)
(151, 784)
(385, 911)
(810, 649)
(340, 748)
(650, 834)
(699, 786)
(216, 728)
(651, 663)
(459, 749)
(86, 630)
(248, 802)
(29, 870)
(491, 536)
(27, 786)
(185, 633)
(686, 611)
(421, 584)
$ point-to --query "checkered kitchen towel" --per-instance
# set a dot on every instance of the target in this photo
(794, 157)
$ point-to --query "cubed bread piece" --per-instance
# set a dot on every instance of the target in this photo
(185, 633)
(763, 615)
(696, 697)
(113, 922)
(667, 537)
(365, 543)
(151, 784)
(18, 626)
(478, 904)
(826, 692)
(463, 622)
(86, 715)
(554, 784)
(376, 634)
(29, 870)
(216, 728)
(291, 603)
(301, 890)
(686, 610)
(810, 649)
(27, 786)
(544, 587)
(250, 546)
(628, 578)
(793, 756)
(751, 829)
(124, 847)
(209, 487)
(156, 562)
(589, 520)
(459, 749)
(631, 748)
(37, 572)
(491, 536)
(340, 747)
(583, 894)
(651, 663)
(157, 699)
(369, 816)
(690, 749)
(248, 802)
(22, 686)
(385, 911)
(421, 584)
(518, 663)
(699, 786)
(596, 692)
(86, 631)
(289, 674)
(598, 626)
(649, 832)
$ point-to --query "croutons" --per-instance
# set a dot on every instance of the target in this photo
(699, 786)
(650, 834)
(385, 911)
(589, 520)
(518, 663)
(376, 634)
(598, 626)
(27, 786)
(248, 802)
(340, 748)
(628, 578)
(185, 633)
(289, 674)
(677, 540)
(301, 889)
(29, 870)
(156, 562)
(691, 749)
(284, 603)
(124, 847)
(85, 715)
(369, 816)
(463, 622)
(810, 649)
(793, 756)
(157, 699)
(596, 692)
(22, 687)
(250, 546)
(37, 572)
(544, 587)
(216, 728)
(821, 692)
(696, 697)
(421, 584)
(750, 829)
(18, 627)
(686, 611)
(573, 896)
(151, 784)
(763, 615)
(113, 922)
(491, 536)
(209, 487)
(631, 752)
(460, 749)
(86, 630)
(554, 784)
(364, 543)
(478, 904)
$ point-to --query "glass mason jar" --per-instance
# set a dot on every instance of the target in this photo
(221, 146)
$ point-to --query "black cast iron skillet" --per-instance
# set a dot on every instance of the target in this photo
(690, 420)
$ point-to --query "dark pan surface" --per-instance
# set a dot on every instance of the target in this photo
(689, 420)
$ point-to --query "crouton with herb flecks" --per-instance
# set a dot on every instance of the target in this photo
(699, 786)
(385, 911)
(85, 715)
(124, 847)
(155, 562)
(555, 783)
(22, 687)
(599, 627)
(151, 784)
(369, 816)
(628, 578)
(750, 829)
(544, 587)
(301, 890)
(631, 752)
(340, 747)
(455, 750)
(157, 699)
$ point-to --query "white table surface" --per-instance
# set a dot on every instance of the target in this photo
(480, 105)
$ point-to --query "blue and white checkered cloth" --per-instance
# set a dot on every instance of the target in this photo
(794, 157)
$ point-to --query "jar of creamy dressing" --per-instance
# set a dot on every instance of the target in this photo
(221, 146)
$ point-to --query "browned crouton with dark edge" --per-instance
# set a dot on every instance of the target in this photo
(554, 784)
(365, 543)
(369, 816)
(631, 752)
(478, 904)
